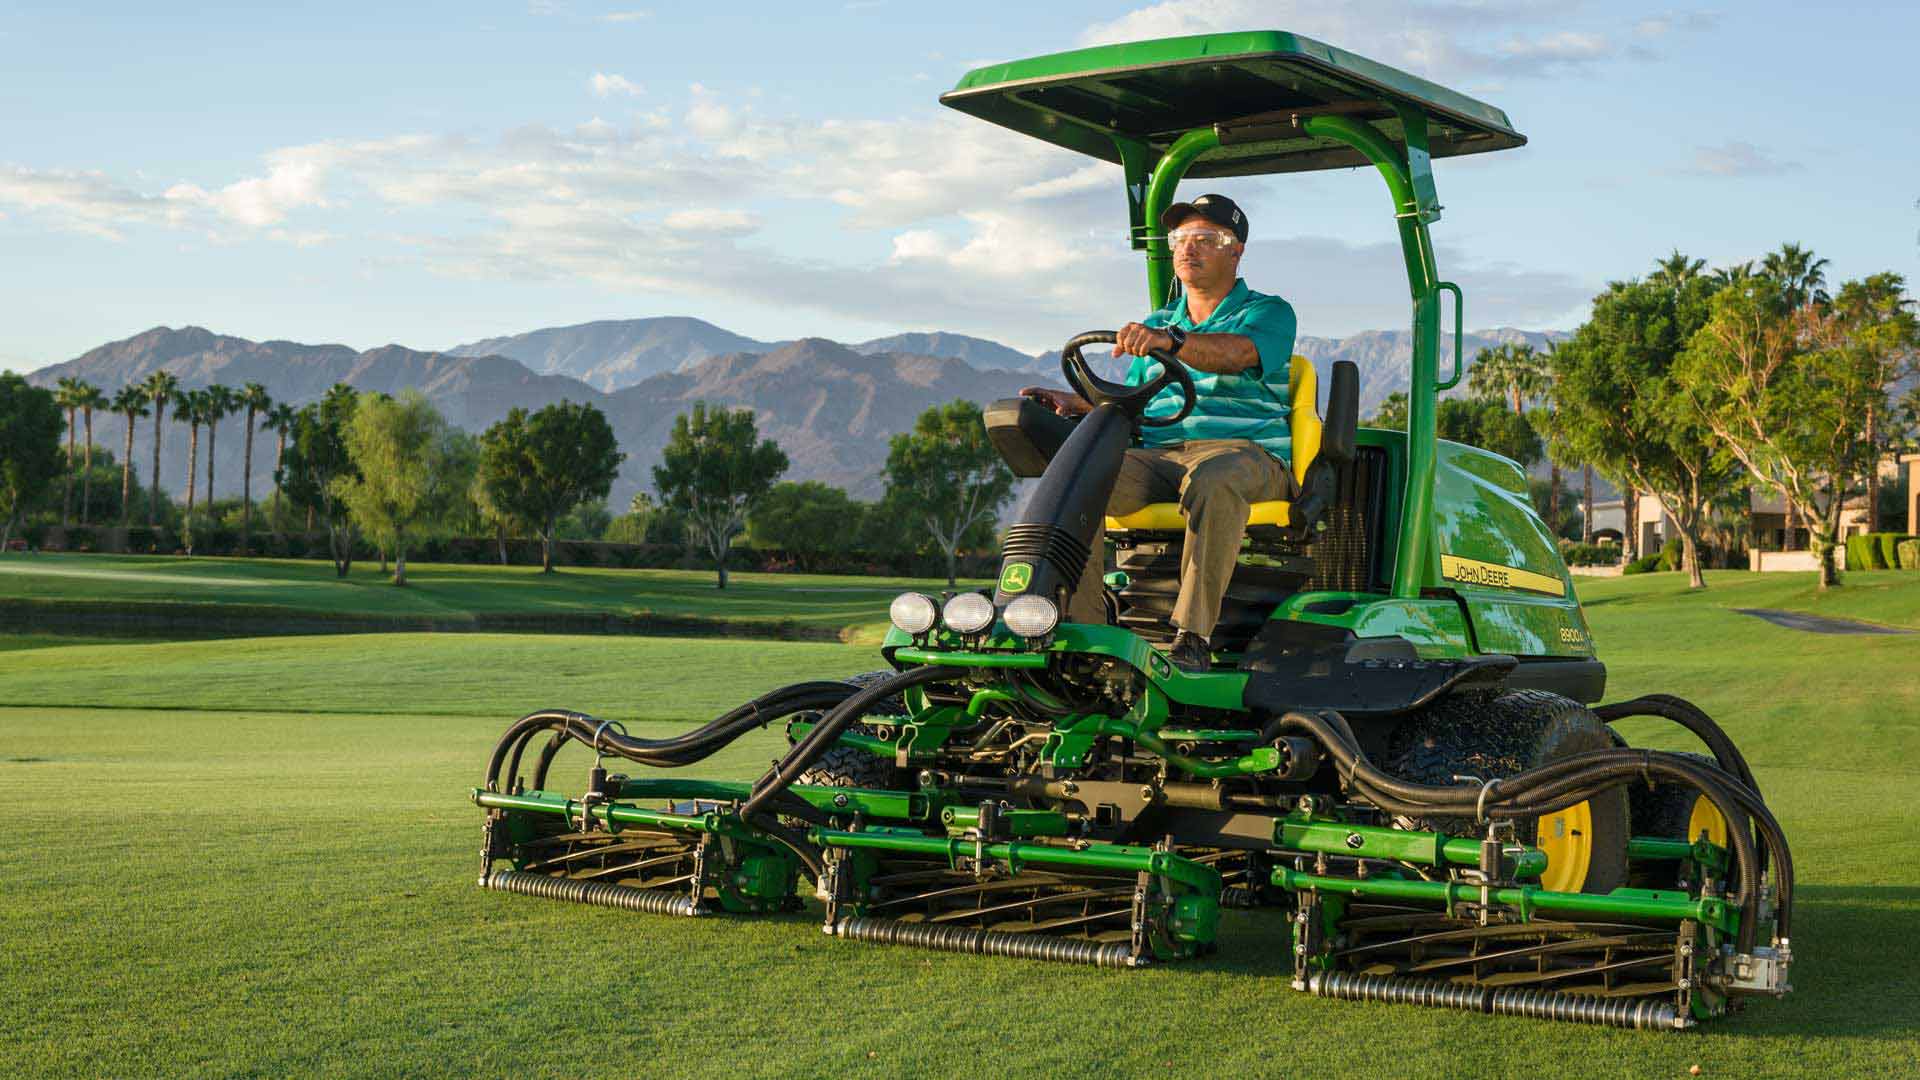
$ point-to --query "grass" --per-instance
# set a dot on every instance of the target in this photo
(444, 592)
(1885, 597)
(255, 857)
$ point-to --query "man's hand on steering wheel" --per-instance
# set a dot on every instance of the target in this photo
(1137, 339)
(1065, 402)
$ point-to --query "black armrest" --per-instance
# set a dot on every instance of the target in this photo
(1026, 433)
(1343, 413)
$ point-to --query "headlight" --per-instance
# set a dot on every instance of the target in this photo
(913, 613)
(968, 613)
(1032, 616)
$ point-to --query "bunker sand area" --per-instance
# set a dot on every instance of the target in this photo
(274, 874)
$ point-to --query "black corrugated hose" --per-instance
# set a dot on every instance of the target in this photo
(1563, 783)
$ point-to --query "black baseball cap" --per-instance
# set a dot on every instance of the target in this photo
(1218, 209)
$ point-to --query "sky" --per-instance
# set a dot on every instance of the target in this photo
(432, 174)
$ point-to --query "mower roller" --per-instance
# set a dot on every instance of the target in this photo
(1398, 748)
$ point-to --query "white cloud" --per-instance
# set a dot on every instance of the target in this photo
(626, 16)
(605, 85)
(949, 222)
(89, 201)
(1737, 158)
(707, 117)
(713, 222)
(1092, 177)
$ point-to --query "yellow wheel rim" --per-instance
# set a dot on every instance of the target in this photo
(1567, 838)
(1707, 818)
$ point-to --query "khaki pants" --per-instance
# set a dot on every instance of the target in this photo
(1214, 480)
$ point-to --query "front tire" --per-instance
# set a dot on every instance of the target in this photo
(1494, 737)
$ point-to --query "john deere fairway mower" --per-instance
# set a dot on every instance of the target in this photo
(1398, 749)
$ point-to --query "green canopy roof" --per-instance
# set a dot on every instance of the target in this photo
(1252, 87)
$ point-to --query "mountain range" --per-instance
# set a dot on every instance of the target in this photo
(831, 406)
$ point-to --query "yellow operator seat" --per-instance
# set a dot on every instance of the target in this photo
(1305, 446)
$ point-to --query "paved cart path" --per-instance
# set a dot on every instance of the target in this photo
(1817, 624)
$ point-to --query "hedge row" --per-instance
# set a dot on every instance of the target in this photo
(1877, 551)
(141, 540)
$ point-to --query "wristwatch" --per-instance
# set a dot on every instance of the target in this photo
(1179, 337)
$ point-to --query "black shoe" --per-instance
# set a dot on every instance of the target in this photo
(1190, 653)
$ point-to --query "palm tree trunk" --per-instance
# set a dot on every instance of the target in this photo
(193, 464)
(66, 498)
(86, 479)
(126, 476)
(279, 453)
(1586, 504)
(212, 429)
(246, 483)
(1630, 504)
(153, 496)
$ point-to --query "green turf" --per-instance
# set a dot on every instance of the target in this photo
(1886, 597)
(265, 868)
(446, 592)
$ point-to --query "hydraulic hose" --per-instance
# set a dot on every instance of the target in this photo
(680, 750)
(802, 756)
(1694, 719)
(1563, 783)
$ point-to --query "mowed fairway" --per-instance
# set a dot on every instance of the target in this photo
(256, 857)
(447, 593)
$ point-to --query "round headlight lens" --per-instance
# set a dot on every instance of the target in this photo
(968, 613)
(1032, 616)
(913, 613)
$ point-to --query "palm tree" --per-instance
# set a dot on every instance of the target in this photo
(1802, 278)
(1734, 274)
(193, 410)
(130, 402)
(220, 402)
(1677, 269)
(279, 421)
(1515, 371)
(160, 386)
(67, 396)
(253, 397)
(89, 397)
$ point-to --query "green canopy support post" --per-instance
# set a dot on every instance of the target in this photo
(1166, 177)
(1409, 177)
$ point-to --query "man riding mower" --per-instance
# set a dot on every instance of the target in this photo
(1396, 746)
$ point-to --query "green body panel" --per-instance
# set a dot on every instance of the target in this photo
(1482, 512)
(1137, 97)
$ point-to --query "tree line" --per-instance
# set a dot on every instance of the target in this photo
(391, 470)
(1702, 387)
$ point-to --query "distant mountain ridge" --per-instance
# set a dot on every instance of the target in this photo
(613, 353)
(832, 406)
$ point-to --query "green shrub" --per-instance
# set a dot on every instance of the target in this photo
(1890, 548)
(1863, 552)
(1908, 553)
(1646, 564)
(1590, 554)
(1670, 554)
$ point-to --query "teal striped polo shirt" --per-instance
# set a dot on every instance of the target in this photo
(1250, 405)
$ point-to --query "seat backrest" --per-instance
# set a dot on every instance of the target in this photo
(1305, 418)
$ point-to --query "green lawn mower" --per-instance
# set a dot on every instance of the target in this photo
(1398, 749)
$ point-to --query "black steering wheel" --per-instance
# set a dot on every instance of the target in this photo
(1130, 399)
